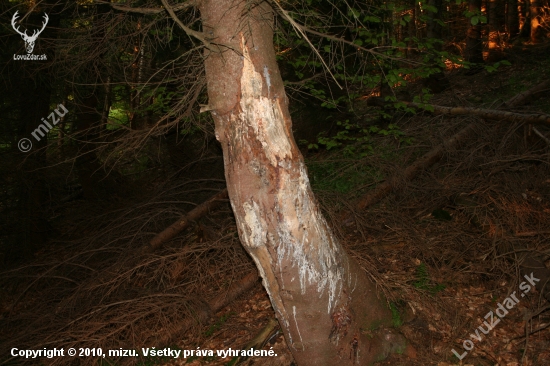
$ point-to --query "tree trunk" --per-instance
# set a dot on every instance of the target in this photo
(525, 30)
(434, 27)
(495, 26)
(411, 33)
(534, 15)
(326, 305)
(106, 107)
(512, 18)
(474, 47)
(436, 82)
(96, 182)
(34, 227)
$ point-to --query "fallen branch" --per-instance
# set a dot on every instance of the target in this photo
(259, 341)
(538, 118)
(182, 223)
(237, 289)
(539, 134)
(412, 171)
(435, 154)
(522, 98)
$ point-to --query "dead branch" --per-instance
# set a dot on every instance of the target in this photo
(260, 339)
(523, 97)
(435, 154)
(539, 118)
(541, 135)
(198, 35)
(412, 171)
(237, 289)
(129, 9)
(184, 221)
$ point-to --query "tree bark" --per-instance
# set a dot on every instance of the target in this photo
(524, 18)
(326, 305)
(434, 28)
(495, 27)
(34, 227)
(474, 47)
(512, 18)
(536, 19)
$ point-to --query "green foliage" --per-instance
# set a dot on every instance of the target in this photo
(163, 99)
(396, 319)
(495, 66)
(423, 281)
(355, 140)
(341, 176)
(475, 16)
(117, 118)
(136, 165)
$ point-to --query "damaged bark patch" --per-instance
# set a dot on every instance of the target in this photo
(262, 113)
(341, 320)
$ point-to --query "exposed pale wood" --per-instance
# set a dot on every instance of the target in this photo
(322, 298)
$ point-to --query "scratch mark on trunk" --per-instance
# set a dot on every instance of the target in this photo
(296, 322)
(267, 81)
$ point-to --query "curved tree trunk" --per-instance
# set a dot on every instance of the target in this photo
(325, 303)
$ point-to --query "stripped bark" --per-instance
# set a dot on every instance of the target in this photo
(537, 118)
(326, 305)
(184, 222)
(435, 154)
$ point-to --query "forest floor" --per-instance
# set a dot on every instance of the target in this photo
(439, 266)
(445, 248)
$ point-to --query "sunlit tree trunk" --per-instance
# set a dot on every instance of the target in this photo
(327, 306)
(534, 14)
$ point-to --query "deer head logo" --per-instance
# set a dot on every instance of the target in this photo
(29, 40)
